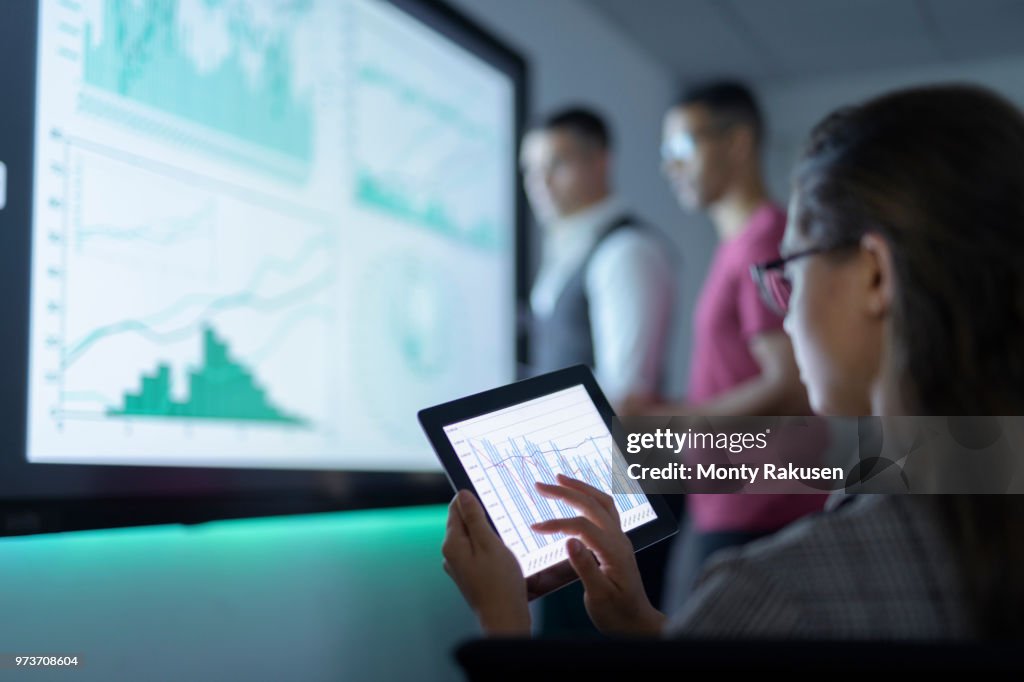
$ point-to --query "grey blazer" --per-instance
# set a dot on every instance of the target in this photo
(870, 567)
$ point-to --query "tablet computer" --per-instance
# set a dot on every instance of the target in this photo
(500, 442)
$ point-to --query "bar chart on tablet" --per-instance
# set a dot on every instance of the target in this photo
(505, 452)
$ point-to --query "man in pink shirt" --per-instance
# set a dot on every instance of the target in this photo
(742, 361)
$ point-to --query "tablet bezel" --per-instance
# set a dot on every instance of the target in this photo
(434, 419)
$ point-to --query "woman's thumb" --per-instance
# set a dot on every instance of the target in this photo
(585, 564)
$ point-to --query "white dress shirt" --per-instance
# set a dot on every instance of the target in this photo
(630, 286)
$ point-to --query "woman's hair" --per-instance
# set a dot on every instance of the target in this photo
(938, 173)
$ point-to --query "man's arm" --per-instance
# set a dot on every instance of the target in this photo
(630, 288)
(777, 390)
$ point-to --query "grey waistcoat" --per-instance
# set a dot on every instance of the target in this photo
(563, 338)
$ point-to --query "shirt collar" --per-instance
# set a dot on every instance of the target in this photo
(588, 222)
(839, 498)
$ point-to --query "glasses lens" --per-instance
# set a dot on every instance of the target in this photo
(779, 289)
(678, 147)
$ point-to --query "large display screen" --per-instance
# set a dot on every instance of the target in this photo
(264, 233)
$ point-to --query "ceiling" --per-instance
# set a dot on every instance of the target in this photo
(782, 39)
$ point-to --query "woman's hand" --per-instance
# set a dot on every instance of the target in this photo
(613, 591)
(486, 571)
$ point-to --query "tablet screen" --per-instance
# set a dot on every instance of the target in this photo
(505, 451)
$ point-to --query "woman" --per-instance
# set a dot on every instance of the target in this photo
(902, 279)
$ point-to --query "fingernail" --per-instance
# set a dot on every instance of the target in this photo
(574, 546)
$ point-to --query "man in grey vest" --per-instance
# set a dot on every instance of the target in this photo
(604, 293)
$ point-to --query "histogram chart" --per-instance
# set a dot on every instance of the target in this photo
(220, 389)
(507, 451)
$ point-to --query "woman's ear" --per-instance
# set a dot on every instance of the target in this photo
(879, 276)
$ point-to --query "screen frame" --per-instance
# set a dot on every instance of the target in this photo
(37, 497)
(433, 421)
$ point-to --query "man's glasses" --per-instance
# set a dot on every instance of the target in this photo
(770, 277)
(679, 147)
(682, 146)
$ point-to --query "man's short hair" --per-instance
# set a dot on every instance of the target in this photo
(585, 123)
(730, 102)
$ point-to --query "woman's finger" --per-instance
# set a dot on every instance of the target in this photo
(455, 522)
(579, 526)
(581, 501)
(585, 564)
(456, 536)
(477, 527)
(606, 501)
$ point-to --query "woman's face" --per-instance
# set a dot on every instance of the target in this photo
(834, 323)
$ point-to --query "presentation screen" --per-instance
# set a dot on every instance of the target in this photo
(264, 233)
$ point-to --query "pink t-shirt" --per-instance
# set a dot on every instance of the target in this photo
(729, 312)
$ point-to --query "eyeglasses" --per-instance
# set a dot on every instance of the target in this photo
(679, 147)
(770, 277)
(683, 146)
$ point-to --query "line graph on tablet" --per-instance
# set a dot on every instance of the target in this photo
(505, 452)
